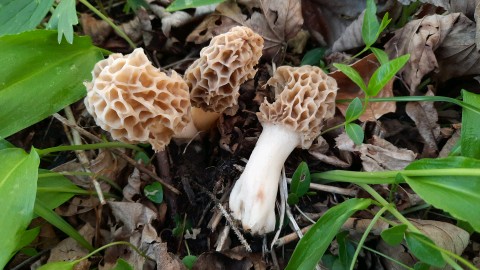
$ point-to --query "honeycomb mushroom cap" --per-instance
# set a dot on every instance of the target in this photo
(305, 96)
(215, 78)
(136, 102)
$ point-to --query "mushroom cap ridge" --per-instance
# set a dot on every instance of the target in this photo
(135, 101)
(305, 96)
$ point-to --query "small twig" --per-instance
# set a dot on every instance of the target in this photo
(130, 160)
(332, 189)
(227, 217)
(283, 203)
(163, 165)
(82, 157)
(222, 238)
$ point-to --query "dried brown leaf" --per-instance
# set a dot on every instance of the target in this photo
(236, 258)
(69, 249)
(132, 189)
(319, 150)
(275, 21)
(442, 44)
(347, 89)
(378, 154)
(425, 117)
(352, 36)
(466, 7)
(132, 215)
(98, 30)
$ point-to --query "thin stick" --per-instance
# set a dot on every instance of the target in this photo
(131, 161)
(332, 189)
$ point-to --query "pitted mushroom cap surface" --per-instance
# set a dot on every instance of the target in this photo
(305, 96)
(227, 62)
(136, 102)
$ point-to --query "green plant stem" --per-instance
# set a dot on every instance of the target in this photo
(107, 20)
(113, 244)
(93, 175)
(447, 254)
(389, 177)
(42, 152)
(421, 98)
(365, 234)
(388, 257)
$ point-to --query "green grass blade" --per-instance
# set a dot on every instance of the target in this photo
(57, 221)
(184, 4)
(313, 245)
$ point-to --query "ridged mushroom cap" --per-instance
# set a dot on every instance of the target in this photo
(227, 62)
(135, 101)
(305, 96)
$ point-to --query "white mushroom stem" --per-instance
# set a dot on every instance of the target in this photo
(252, 200)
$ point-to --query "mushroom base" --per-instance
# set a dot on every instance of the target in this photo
(252, 200)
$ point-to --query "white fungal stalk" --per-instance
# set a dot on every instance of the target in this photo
(253, 197)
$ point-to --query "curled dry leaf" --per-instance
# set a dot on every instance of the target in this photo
(378, 154)
(275, 21)
(442, 44)
(133, 186)
(347, 89)
(98, 30)
(425, 117)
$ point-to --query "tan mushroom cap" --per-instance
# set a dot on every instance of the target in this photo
(305, 97)
(136, 102)
(227, 62)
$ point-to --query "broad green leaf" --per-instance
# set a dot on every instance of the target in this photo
(421, 247)
(346, 250)
(371, 26)
(63, 19)
(421, 266)
(184, 4)
(18, 184)
(189, 261)
(300, 180)
(352, 74)
(313, 57)
(54, 190)
(315, 242)
(58, 266)
(122, 265)
(135, 4)
(394, 236)
(355, 133)
(385, 73)
(354, 110)
(4, 144)
(27, 237)
(458, 195)
(385, 22)
(470, 139)
(293, 199)
(381, 55)
(154, 192)
(39, 77)
(17, 16)
(53, 218)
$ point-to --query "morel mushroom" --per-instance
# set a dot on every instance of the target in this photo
(136, 102)
(215, 78)
(305, 97)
